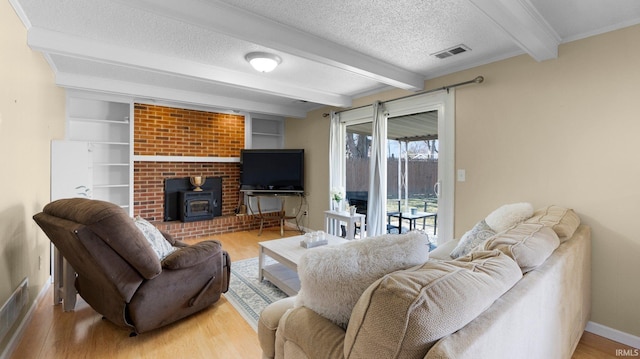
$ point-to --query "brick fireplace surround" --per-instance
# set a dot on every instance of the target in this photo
(165, 131)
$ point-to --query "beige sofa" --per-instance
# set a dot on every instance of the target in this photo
(542, 315)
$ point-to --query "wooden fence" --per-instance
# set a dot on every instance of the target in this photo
(422, 175)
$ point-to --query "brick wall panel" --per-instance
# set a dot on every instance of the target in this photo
(165, 131)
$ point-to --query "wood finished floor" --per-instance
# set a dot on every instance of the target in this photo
(217, 332)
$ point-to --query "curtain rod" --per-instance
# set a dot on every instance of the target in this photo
(477, 80)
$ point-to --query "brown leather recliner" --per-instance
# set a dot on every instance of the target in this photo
(118, 273)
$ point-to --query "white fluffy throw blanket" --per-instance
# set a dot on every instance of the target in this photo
(332, 278)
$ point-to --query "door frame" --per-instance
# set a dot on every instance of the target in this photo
(444, 103)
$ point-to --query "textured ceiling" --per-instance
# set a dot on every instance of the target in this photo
(403, 33)
(192, 52)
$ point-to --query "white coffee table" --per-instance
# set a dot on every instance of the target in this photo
(286, 252)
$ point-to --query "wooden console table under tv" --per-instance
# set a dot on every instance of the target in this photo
(281, 214)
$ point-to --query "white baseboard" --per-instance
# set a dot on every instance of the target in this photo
(613, 334)
(17, 335)
(292, 226)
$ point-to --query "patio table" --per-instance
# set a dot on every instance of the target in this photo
(412, 217)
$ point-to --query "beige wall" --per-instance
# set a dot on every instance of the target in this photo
(312, 134)
(562, 132)
(31, 114)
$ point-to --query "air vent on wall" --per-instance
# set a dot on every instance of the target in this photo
(451, 51)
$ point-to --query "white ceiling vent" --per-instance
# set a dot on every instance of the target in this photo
(458, 49)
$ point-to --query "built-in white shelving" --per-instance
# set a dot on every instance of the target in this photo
(267, 133)
(105, 124)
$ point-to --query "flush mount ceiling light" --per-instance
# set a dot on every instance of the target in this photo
(263, 61)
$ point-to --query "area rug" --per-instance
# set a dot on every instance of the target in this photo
(247, 294)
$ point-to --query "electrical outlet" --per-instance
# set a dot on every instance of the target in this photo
(305, 213)
(462, 175)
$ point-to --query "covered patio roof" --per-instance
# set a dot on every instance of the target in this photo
(415, 127)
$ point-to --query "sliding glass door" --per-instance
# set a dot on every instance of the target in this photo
(419, 171)
(412, 172)
(357, 163)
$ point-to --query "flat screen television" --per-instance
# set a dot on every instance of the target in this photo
(272, 170)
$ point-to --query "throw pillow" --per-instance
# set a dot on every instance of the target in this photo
(509, 215)
(563, 221)
(332, 278)
(478, 234)
(529, 244)
(405, 313)
(160, 245)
